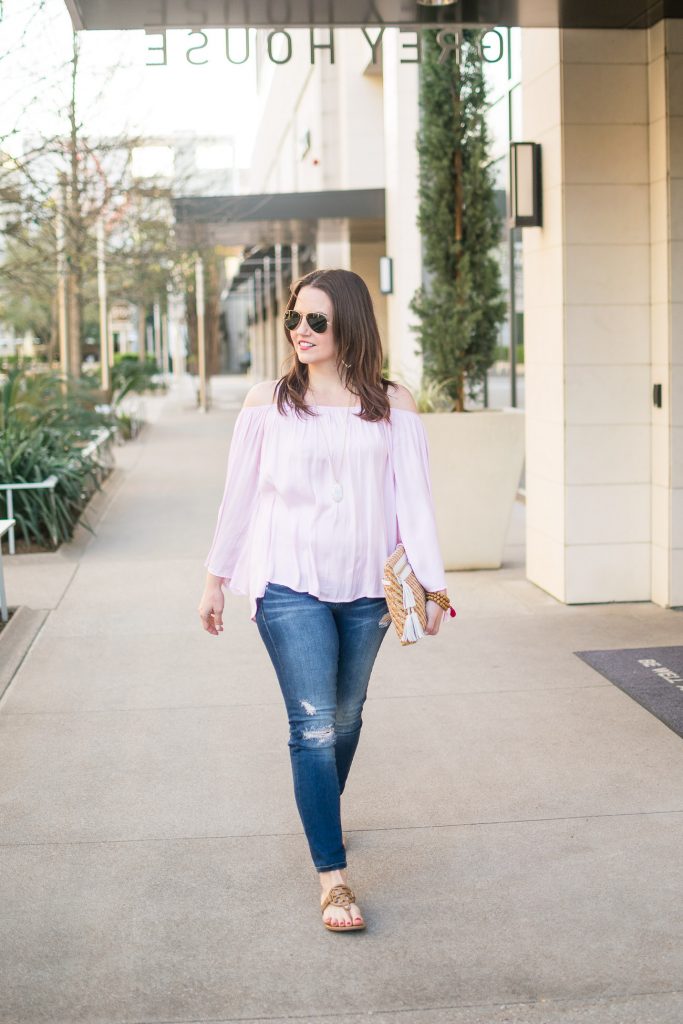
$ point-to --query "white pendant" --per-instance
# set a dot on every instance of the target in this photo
(337, 492)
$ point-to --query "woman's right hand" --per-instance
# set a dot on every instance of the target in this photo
(211, 607)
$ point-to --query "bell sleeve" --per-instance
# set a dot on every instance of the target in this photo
(240, 492)
(416, 520)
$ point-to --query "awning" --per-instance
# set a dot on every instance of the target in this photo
(198, 14)
(287, 217)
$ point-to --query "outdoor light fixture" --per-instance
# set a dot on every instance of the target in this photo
(386, 275)
(525, 185)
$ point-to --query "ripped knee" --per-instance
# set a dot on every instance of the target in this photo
(317, 735)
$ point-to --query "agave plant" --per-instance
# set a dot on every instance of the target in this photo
(433, 396)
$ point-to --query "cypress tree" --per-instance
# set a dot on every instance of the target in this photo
(461, 305)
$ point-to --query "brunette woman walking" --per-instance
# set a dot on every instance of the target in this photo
(327, 471)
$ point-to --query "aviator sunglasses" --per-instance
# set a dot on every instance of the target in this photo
(318, 322)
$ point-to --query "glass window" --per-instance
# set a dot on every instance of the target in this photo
(494, 48)
(497, 120)
(515, 43)
(504, 122)
(516, 126)
(500, 178)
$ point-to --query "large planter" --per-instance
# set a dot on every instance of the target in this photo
(476, 461)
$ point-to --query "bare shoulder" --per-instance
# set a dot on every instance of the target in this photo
(261, 393)
(401, 398)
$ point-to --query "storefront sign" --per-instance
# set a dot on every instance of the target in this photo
(281, 46)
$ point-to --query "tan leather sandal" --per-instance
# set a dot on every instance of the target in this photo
(340, 896)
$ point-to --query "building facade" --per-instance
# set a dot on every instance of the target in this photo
(601, 91)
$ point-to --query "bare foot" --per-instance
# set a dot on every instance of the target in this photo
(338, 917)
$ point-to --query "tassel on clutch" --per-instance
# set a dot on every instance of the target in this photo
(407, 598)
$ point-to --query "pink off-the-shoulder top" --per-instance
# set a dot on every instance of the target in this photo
(278, 521)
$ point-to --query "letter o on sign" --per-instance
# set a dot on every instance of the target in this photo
(279, 32)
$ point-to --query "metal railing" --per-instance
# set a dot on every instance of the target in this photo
(49, 483)
(5, 526)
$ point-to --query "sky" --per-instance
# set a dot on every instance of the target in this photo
(119, 93)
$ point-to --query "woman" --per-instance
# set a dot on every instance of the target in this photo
(327, 472)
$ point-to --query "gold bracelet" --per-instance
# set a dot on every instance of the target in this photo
(441, 599)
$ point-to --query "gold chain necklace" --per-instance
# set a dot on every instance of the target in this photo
(337, 491)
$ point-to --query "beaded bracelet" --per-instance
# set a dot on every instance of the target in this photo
(441, 599)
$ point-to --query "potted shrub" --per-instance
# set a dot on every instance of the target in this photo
(476, 456)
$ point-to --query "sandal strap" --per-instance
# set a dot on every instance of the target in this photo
(340, 896)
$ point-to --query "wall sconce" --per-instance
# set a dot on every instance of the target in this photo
(525, 185)
(386, 275)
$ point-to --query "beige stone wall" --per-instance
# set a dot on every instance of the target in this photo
(599, 306)
(666, 228)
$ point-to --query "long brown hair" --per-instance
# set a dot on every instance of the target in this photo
(357, 340)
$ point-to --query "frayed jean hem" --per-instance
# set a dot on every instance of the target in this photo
(334, 867)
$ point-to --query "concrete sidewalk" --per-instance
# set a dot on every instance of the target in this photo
(515, 820)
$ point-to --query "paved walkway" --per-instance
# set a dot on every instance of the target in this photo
(515, 820)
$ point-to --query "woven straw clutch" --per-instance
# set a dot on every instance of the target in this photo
(405, 596)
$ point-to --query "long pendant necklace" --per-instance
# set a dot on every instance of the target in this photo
(337, 491)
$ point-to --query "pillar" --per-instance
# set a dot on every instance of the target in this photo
(601, 285)
(403, 241)
(333, 244)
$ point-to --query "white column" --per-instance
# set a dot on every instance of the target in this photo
(268, 326)
(403, 242)
(333, 244)
(201, 337)
(259, 364)
(62, 311)
(176, 332)
(156, 310)
(164, 344)
(102, 300)
(666, 225)
(587, 316)
(282, 347)
(253, 330)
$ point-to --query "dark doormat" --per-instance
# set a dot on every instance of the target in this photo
(653, 676)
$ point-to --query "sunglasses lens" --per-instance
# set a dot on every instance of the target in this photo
(317, 322)
(292, 320)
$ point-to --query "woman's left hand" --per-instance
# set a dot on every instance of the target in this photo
(435, 614)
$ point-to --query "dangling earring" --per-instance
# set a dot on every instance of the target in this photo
(347, 365)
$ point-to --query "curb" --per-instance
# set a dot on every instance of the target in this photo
(16, 639)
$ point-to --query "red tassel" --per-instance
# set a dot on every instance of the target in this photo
(453, 612)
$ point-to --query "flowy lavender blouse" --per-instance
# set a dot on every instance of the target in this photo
(278, 521)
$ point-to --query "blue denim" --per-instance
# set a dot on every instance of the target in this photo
(323, 653)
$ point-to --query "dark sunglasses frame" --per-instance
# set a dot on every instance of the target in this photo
(318, 322)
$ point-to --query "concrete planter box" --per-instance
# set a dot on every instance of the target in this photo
(476, 461)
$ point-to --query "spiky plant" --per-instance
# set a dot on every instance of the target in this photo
(461, 305)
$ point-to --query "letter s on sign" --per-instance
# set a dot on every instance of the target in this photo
(200, 46)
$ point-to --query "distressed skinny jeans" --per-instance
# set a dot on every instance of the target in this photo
(323, 653)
